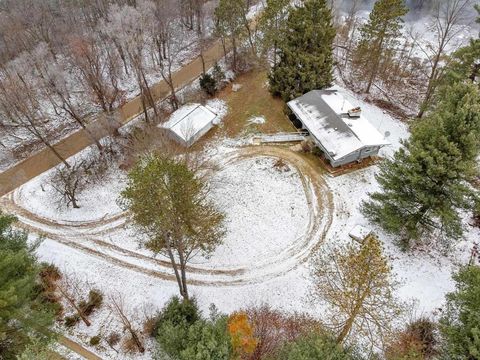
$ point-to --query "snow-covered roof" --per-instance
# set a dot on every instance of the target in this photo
(325, 114)
(189, 120)
(359, 233)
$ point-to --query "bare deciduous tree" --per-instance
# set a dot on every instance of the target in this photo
(117, 306)
(55, 86)
(70, 289)
(68, 182)
(98, 70)
(20, 104)
(447, 16)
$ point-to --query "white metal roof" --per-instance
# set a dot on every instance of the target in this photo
(189, 120)
(323, 113)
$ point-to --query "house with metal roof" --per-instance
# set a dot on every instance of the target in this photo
(337, 128)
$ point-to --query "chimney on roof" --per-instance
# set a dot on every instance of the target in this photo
(355, 112)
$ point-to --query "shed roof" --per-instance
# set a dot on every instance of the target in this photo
(324, 114)
(189, 120)
(359, 232)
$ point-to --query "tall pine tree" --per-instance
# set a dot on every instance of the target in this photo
(272, 24)
(378, 38)
(305, 52)
(460, 323)
(426, 182)
(24, 318)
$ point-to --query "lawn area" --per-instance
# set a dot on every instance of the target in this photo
(253, 100)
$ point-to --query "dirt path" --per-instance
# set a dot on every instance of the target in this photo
(91, 237)
(44, 160)
(77, 348)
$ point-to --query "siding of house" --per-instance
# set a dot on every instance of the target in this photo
(357, 155)
(352, 157)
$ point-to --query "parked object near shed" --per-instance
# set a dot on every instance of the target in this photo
(360, 233)
(337, 128)
(189, 123)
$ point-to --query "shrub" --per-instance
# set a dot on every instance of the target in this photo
(95, 340)
(179, 312)
(207, 340)
(49, 273)
(476, 214)
(315, 346)
(424, 330)
(184, 335)
(173, 323)
(95, 300)
(272, 329)
(113, 339)
(46, 287)
(218, 75)
(417, 341)
(241, 334)
(71, 320)
(208, 84)
(150, 326)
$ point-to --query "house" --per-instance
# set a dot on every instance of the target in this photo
(336, 127)
(189, 123)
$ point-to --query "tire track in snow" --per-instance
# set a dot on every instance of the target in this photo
(88, 236)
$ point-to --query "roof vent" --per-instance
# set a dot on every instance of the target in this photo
(355, 112)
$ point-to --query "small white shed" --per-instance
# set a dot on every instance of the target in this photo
(189, 123)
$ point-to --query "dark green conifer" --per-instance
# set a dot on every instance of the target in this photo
(427, 181)
(305, 52)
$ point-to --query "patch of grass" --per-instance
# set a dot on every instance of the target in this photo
(253, 99)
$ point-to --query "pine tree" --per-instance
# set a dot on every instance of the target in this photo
(316, 346)
(426, 182)
(272, 24)
(24, 319)
(355, 283)
(378, 37)
(460, 325)
(305, 52)
(231, 23)
(465, 64)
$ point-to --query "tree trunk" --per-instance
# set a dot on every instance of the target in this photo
(430, 89)
(175, 270)
(74, 202)
(349, 323)
(183, 272)
(234, 49)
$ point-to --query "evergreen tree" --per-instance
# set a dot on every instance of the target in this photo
(305, 51)
(231, 23)
(316, 346)
(184, 334)
(465, 64)
(208, 84)
(272, 24)
(24, 319)
(426, 182)
(378, 37)
(460, 325)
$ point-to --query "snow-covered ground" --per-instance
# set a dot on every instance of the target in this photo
(268, 209)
